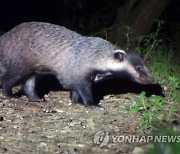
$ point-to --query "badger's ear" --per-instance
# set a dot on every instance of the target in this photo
(119, 54)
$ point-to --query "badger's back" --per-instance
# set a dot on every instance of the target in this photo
(36, 40)
(34, 44)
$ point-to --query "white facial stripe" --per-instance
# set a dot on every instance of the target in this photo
(121, 51)
(132, 71)
(117, 66)
(125, 66)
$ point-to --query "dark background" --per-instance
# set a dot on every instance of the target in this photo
(84, 16)
(77, 14)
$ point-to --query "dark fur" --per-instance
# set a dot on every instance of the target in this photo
(35, 48)
(101, 87)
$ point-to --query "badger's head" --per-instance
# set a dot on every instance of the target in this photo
(127, 65)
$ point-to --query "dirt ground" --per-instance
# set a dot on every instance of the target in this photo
(58, 126)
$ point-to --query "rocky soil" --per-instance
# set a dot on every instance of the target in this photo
(58, 126)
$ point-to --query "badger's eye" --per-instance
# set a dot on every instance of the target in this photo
(139, 68)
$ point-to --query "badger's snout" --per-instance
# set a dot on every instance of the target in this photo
(150, 79)
(145, 79)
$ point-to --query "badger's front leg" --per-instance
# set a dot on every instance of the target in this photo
(82, 93)
(75, 97)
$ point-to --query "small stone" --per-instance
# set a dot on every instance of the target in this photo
(138, 150)
(1, 118)
(3, 150)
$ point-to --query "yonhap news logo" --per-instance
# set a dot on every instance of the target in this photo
(103, 138)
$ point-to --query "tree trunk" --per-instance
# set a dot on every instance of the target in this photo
(135, 18)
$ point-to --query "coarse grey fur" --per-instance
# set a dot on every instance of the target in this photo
(36, 48)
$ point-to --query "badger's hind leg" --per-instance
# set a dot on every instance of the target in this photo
(29, 89)
(9, 80)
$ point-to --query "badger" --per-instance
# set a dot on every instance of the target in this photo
(32, 49)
